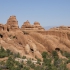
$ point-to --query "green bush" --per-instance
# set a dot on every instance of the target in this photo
(3, 53)
(44, 54)
(54, 54)
(24, 57)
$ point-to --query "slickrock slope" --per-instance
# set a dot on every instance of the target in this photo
(32, 40)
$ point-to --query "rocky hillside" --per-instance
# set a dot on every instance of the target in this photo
(32, 40)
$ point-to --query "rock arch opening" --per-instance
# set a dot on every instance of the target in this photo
(8, 29)
(31, 50)
(1, 36)
(57, 49)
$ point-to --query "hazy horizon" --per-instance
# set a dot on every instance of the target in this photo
(46, 12)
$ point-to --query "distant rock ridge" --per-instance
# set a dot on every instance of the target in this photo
(61, 28)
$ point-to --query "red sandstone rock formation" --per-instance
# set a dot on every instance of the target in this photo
(1, 27)
(33, 43)
(36, 23)
(27, 23)
(27, 26)
(35, 27)
(12, 23)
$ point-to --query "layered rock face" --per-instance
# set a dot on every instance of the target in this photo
(12, 23)
(1, 27)
(35, 42)
(26, 26)
(61, 31)
(36, 27)
(61, 34)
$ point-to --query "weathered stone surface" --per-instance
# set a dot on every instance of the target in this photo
(38, 55)
(12, 23)
(35, 27)
(27, 49)
(36, 23)
(1, 27)
(26, 26)
(61, 28)
(35, 40)
(27, 23)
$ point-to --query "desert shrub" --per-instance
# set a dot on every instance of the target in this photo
(54, 54)
(39, 61)
(3, 53)
(68, 61)
(16, 55)
(44, 54)
(29, 62)
(66, 54)
(32, 65)
(9, 52)
(26, 68)
(24, 57)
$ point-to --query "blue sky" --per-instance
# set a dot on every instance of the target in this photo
(47, 12)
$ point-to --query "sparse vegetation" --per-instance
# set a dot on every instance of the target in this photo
(4, 53)
(50, 62)
(24, 57)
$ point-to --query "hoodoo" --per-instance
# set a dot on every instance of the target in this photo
(27, 23)
(38, 26)
(28, 27)
(12, 22)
